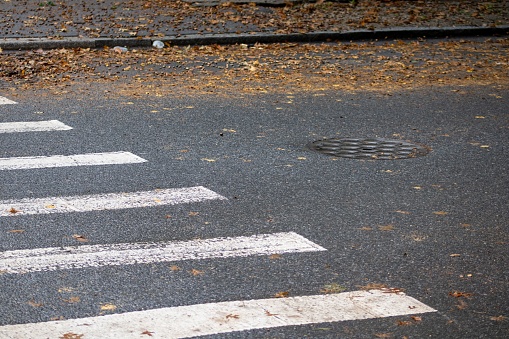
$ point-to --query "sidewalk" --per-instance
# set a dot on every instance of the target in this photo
(28, 24)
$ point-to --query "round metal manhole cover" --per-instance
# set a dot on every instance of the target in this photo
(370, 148)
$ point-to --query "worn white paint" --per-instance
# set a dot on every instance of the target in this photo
(33, 126)
(224, 317)
(90, 159)
(5, 101)
(62, 258)
(107, 201)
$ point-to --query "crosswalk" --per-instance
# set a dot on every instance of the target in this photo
(172, 322)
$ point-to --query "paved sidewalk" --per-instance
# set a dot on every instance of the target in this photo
(28, 24)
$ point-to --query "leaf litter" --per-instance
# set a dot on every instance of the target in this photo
(286, 67)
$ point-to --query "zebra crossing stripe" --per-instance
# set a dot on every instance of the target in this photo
(223, 317)
(63, 258)
(89, 159)
(107, 201)
(5, 101)
(33, 126)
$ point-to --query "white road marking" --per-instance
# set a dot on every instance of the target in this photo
(33, 126)
(63, 258)
(107, 201)
(90, 159)
(224, 317)
(5, 101)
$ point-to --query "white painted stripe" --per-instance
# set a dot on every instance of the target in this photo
(63, 258)
(33, 126)
(224, 317)
(90, 159)
(107, 201)
(5, 101)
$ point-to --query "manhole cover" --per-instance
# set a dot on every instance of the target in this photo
(371, 148)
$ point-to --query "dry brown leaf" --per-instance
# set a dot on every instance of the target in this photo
(108, 307)
(404, 323)
(72, 300)
(270, 314)
(416, 318)
(332, 288)
(498, 318)
(383, 335)
(174, 268)
(193, 214)
(274, 256)
(281, 295)
(440, 213)
(14, 211)
(196, 272)
(372, 286)
(458, 294)
(386, 227)
(402, 212)
(70, 335)
(34, 303)
(16, 231)
(80, 238)
(455, 255)
(147, 332)
(232, 316)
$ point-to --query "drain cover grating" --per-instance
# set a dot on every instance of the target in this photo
(371, 148)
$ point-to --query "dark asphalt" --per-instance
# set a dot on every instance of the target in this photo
(274, 183)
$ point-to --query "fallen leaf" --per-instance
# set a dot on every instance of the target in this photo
(440, 213)
(455, 255)
(50, 206)
(196, 272)
(193, 214)
(499, 318)
(274, 256)
(480, 117)
(232, 316)
(72, 300)
(34, 303)
(458, 294)
(394, 290)
(417, 187)
(71, 335)
(174, 268)
(416, 318)
(372, 286)
(301, 158)
(65, 289)
(108, 307)
(79, 238)
(386, 227)
(229, 130)
(14, 211)
(16, 231)
(404, 323)
(270, 314)
(281, 295)
(366, 228)
(383, 335)
(209, 160)
(402, 212)
(147, 333)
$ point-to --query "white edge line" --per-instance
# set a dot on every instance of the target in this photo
(108, 201)
(5, 101)
(57, 258)
(33, 126)
(88, 159)
(231, 316)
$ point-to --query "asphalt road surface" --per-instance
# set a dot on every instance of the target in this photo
(431, 230)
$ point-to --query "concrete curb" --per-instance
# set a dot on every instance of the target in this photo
(251, 38)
